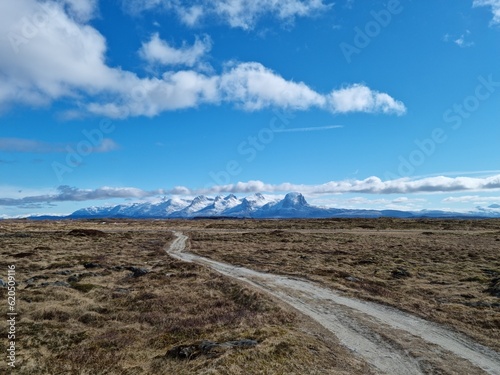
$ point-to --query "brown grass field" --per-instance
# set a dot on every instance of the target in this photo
(103, 320)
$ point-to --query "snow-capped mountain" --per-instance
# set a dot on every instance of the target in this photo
(293, 205)
(248, 206)
(220, 205)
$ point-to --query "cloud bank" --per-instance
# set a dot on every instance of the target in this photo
(371, 185)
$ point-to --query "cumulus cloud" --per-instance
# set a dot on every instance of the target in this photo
(150, 97)
(360, 98)
(250, 86)
(157, 51)
(50, 53)
(236, 13)
(47, 55)
(253, 87)
(495, 8)
(39, 147)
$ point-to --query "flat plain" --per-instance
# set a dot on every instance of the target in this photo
(103, 297)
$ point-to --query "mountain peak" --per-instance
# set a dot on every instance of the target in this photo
(199, 198)
(294, 199)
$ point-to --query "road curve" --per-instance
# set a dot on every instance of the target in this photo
(391, 341)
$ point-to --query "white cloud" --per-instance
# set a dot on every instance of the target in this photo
(463, 41)
(360, 98)
(159, 51)
(43, 61)
(245, 13)
(237, 13)
(254, 87)
(192, 15)
(149, 97)
(49, 55)
(495, 8)
(371, 185)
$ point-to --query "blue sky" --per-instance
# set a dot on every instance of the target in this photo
(356, 104)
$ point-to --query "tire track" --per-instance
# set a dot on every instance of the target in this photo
(361, 325)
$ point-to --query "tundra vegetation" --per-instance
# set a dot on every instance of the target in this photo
(103, 297)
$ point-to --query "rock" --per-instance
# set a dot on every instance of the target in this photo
(61, 283)
(183, 352)
(2, 284)
(91, 265)
(65, 272)
(137, 272)
(32, 280)
(352, 279)
(489, 272)
(400, 273)
(73, 279)
(494, 288)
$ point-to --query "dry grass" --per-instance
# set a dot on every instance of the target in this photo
(440, 270)
(100, 319)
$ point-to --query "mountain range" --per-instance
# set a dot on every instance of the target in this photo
(257, 206)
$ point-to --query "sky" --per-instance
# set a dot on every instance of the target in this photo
(356, 104)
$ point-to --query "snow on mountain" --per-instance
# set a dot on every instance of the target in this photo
(161, 209)
(197, 204)
(219, 206)
(249, 205)
(293, 205)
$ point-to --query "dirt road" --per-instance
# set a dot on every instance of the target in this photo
(391, 341)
